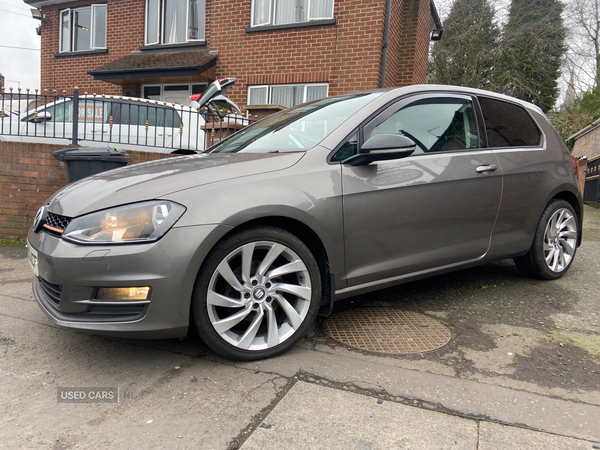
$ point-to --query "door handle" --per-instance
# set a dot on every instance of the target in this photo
(486, 168)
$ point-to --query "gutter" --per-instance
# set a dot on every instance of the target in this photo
(584, 131)
(152, 72)
(43, 3)
(386, 35)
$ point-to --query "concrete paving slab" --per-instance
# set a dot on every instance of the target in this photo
(181, 402)
(493, 436)
(317, 417)
(464, 397)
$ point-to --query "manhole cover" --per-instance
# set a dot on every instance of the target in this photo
(389, 331)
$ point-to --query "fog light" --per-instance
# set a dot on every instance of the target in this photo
(126, 293)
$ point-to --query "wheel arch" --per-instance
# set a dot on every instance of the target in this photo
(577, 205)
(303, 232)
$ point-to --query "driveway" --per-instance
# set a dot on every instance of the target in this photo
(523, 353)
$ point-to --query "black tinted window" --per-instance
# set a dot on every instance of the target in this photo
(134, 114)
(508, 125)
(348, 149)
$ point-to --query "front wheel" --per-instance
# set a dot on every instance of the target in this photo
(257, 294)
(554, 243)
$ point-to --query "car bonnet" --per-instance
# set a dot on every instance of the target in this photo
(156, 179)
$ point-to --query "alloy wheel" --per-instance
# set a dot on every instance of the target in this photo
(560, 240)
(259, 295)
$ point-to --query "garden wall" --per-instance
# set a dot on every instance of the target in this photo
(29, 174)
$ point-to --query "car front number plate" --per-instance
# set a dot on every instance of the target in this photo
(32, 257)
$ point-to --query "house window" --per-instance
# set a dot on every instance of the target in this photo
(281, 12)
(172, 93)
(287, 95)
(83, 29)
(174, 21)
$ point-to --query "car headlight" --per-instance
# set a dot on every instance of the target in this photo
(137, 222)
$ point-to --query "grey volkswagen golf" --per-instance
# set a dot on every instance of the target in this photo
(327, 200)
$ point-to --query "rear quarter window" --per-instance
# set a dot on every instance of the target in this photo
(508, 125)
(135, 114)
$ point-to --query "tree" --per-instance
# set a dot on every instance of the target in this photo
(583, 18)
(465, 55)
(586, 110)
(533, 45)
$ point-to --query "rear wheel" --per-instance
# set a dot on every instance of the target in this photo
(554, 243)
(257, 294)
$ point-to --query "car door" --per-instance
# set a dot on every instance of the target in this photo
(147, 124)
(434, 208)
(529, 168)
(52, 120)
(92, 120)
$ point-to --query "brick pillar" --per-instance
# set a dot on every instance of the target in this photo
(414, 42)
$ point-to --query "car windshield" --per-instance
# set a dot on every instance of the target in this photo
(297, 129)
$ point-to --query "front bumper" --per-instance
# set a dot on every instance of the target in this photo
(70, 275)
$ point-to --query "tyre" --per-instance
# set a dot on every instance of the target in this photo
(257, 294)
(554, 243)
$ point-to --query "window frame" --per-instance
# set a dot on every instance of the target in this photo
(397, 104)
(162, 88)
(273, 12)
(270, 91)
(158, 13)
(402, 103)
(161, 7)
(69, 12)
(542, 143)
(252, 24)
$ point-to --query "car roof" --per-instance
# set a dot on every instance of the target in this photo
(423, 88)
(142, 100)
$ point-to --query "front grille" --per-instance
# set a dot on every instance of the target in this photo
(118, 311)
(57, 221)
(53, 292)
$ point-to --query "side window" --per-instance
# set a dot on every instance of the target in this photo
(91, 111)
(435, 125)
(162, 117)
(57, 112)
(136, 115)
(508, 125)
(349, 148)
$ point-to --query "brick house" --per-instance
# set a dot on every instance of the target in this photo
(587, 141)
(281, 51)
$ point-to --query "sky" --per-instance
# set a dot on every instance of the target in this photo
(17, 29)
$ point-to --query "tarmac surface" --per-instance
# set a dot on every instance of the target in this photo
(521, 371)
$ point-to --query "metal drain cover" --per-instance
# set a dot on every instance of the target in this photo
(385, 330)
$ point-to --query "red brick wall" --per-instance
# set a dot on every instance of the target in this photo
(29, 174)
(125, 32)
(347, 55)
(393, 51)
(414, 42)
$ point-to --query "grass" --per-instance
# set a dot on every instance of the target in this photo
(15, 242)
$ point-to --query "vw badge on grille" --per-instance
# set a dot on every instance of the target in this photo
(40, 219)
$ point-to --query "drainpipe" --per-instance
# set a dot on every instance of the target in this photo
(386, 35)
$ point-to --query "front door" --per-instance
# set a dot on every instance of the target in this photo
(434, 208)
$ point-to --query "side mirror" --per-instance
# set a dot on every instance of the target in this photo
(43, 116)
(382, 147)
